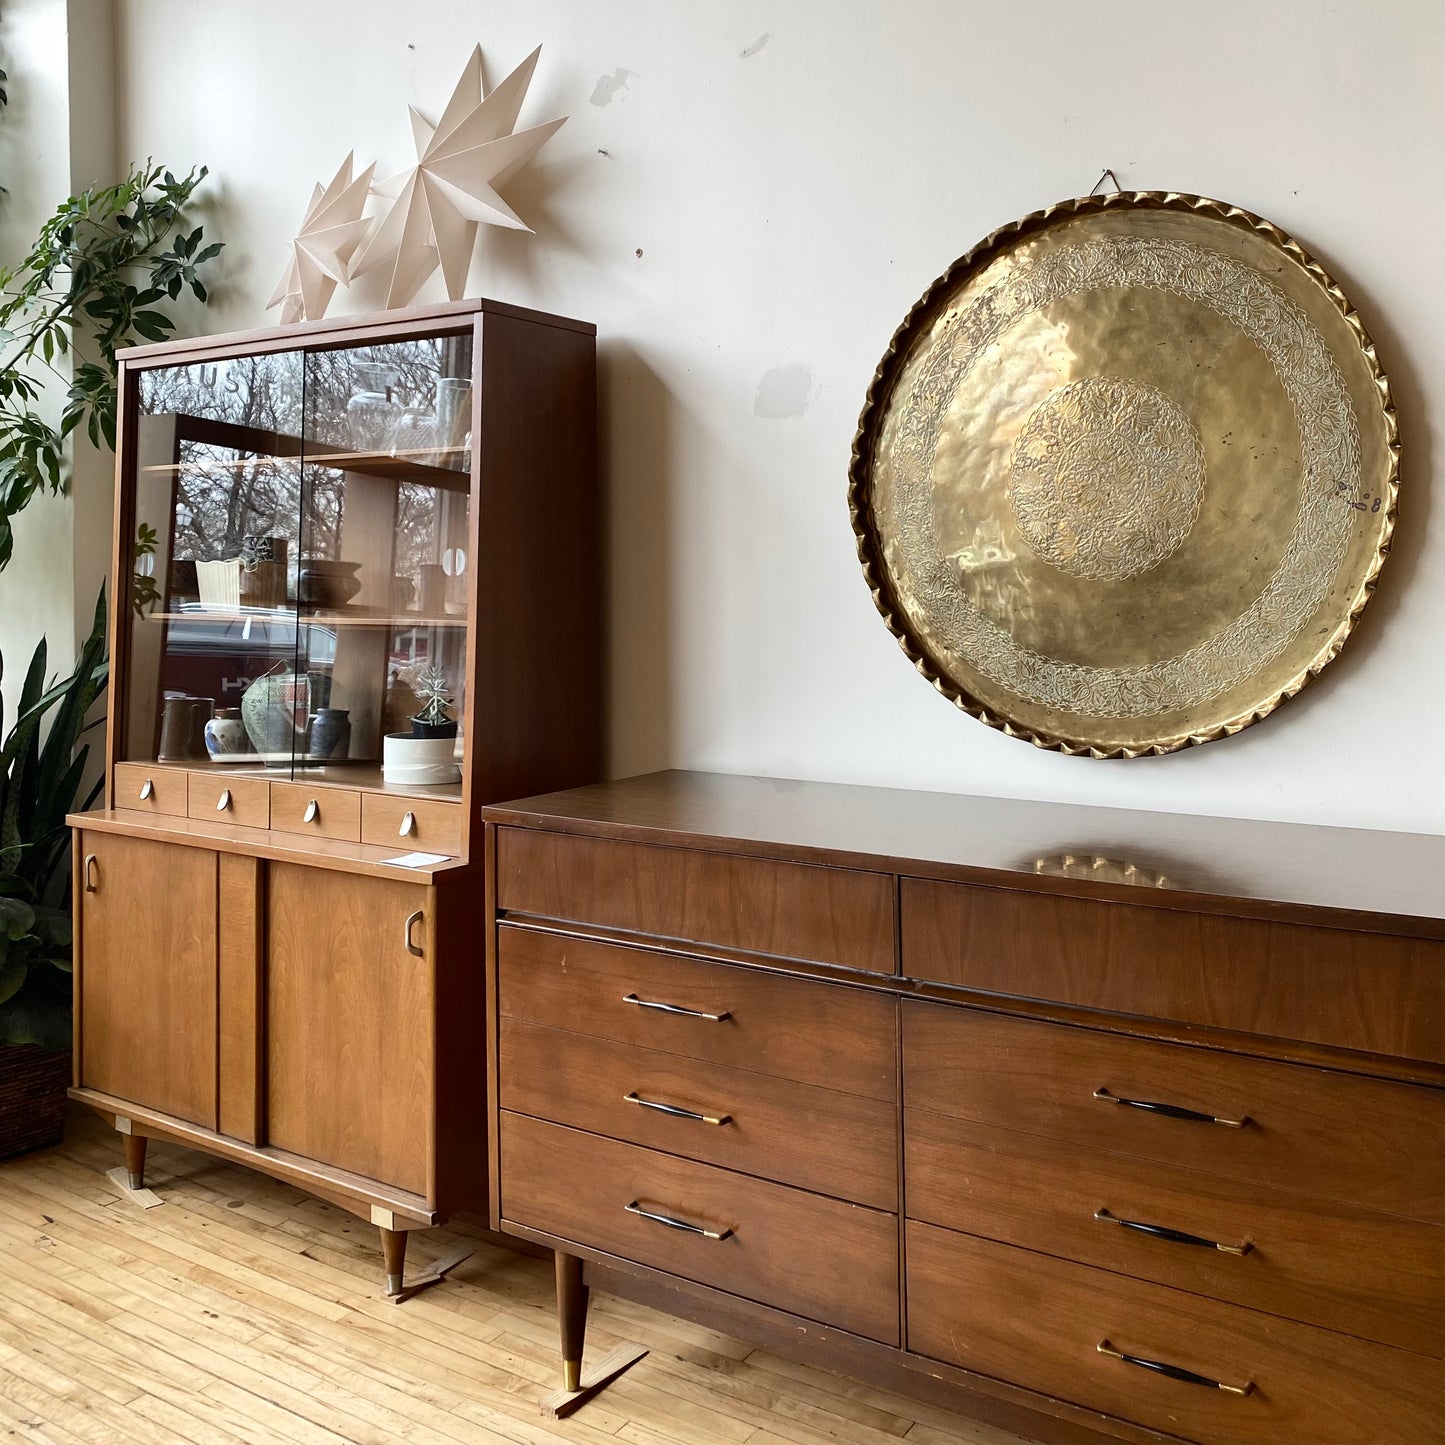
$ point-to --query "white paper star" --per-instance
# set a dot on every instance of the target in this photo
(322, 252)
(452, 189)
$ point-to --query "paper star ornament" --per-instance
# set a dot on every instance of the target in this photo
(322, 253)
(453, 188)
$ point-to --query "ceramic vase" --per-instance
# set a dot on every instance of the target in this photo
(226, 735)
(330, 732)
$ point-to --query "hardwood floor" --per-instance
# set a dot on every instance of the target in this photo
(243, 1312)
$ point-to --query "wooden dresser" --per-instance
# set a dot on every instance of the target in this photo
(1095, 1124)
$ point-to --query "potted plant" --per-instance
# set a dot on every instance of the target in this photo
(41, 772)
(427, 754)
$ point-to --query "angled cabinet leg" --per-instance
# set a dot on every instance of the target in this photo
(571, 1317)
(135, 1159)
(393, 1250)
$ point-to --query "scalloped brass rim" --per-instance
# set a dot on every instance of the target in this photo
(886, 373)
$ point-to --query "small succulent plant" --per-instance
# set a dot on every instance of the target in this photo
(432, 691)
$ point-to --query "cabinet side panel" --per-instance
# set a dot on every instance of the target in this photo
(239, 962)
(148, 980)
(539, 627)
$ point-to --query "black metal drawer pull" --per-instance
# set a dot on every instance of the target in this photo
(1174, 1236)
(675, 1008)
(681, 1224)
(1173, 1372)
(1170, 1111)
(676, 1111)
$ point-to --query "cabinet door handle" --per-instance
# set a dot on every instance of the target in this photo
(224, 801)
(1174, 1236)
(412, 920)
(408, 825)
(674, 1223)
(1173, 1372)
(676, 1111)
(91, 877)
(147, 790)
(675, 1008)
(1170, 1111)
(312, 813)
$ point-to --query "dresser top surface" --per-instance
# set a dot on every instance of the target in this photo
(1393, 882)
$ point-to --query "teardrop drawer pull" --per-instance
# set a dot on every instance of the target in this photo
(224, 801)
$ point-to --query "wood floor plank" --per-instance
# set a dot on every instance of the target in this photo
(245, 1312)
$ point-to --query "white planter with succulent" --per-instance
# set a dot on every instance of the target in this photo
(426, 754)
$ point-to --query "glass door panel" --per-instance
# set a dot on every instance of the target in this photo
(382, 580)
(214, 641)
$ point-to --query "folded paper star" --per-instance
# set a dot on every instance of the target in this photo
(453, 188)
(324, 248)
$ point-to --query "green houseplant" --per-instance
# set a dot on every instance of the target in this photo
(42, 766)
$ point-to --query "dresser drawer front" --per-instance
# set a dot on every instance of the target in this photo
(1355, 990)
(825, 1260)
(784, 910)
(1328, 1135)
(805, 1029)
(839, 1144)
(144, 788)
(322, 812)
(1038, 1322)
(392, 820)
(1327, 1264)
(219, 798)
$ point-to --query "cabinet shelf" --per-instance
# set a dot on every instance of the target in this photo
(349, 617)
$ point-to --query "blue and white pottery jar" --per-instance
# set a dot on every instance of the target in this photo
(226, 734)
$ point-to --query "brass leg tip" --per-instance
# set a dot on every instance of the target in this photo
(393, 1284)
(571, 1375)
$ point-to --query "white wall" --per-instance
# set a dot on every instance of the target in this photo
(780, 182)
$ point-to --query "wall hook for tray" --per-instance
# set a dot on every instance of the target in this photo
(1108, 175)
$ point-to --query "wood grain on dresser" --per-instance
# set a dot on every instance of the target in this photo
(1333, 1135)
(817, 1033)
(1371, 992)
(827, 1260)
(1039, 1321)
(833, 1143)
(780, 910)
(149, 788)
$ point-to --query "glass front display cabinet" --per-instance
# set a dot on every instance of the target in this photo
(356, 597)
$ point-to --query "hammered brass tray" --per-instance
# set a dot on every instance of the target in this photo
(1126, 475)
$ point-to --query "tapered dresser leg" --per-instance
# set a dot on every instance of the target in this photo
(571, 1317)
(135, 1159)
(393, 1251)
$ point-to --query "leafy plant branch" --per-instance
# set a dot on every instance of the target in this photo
(100, 276)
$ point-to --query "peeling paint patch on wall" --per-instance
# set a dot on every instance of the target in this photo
(784, 392)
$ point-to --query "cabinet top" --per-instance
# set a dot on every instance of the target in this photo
(1345, 877)
(347, 330)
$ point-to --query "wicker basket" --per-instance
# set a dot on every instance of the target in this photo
(33, 1082)
(230, 585)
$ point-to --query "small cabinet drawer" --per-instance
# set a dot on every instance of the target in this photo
(1276, 980)
(839, 1144)
(325, 812)
(1329, 1135)
(395, 821)
(1040, 1323)
(840, 916)
(145, 788)
(811, 1030)
(815, 1257)
(219, 798)
(1349, 1269)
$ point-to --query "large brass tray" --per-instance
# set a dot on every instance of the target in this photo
(1126, 475)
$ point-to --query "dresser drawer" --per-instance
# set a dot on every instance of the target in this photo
(219, 798)
(1363, 991)
(1038, 1323)
(783, 910)
(1325, 1134)
(323, 812)
(792, 1028)
(839, 1144)
(145, 788)
(815, 1257)
(392, 820)
(1328, 1264)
